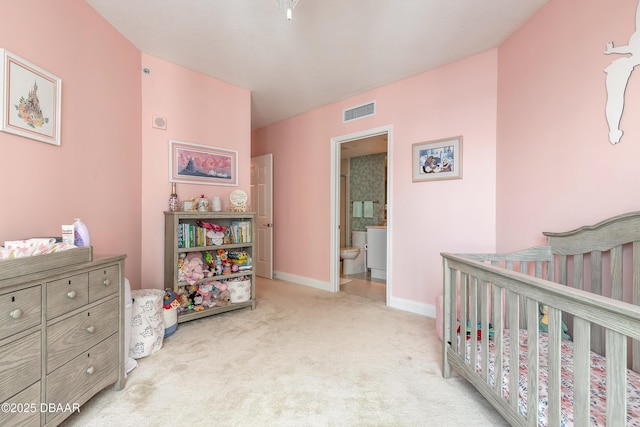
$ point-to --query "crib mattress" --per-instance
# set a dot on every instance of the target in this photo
(598, 381)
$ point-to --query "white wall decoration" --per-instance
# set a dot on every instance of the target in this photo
(618, 73)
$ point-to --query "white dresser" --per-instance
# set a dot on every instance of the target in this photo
(61, 334)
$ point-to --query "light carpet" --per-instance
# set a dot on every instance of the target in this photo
(303, 357)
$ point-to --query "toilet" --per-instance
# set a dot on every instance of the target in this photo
(354, 257)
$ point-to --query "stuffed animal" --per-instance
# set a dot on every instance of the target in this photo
(218, 268)
(193, 267)
(544, 322)
(198, 300)
(224, 298)
(239, 258)
(183, 300)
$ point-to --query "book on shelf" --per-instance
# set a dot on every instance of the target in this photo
(193, 236)
(240, 231)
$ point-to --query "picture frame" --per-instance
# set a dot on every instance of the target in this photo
(191, 163)
(437, 160)
(31, 99)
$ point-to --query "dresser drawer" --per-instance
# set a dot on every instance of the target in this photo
(20, 310)
(72, 336)
(23, 409)
(103, 282)
(89, 373)
(20, 365)
(67, 294)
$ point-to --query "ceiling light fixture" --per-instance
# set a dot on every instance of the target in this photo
(286, 5)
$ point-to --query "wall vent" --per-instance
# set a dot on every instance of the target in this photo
(358, 112)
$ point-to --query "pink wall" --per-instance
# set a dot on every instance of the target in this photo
(200, 110)
(426, 217)
(95, 173)
(112, 166)
(556, 167)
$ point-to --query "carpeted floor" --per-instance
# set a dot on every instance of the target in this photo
(303, 357)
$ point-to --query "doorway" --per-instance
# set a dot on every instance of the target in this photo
(360, 144)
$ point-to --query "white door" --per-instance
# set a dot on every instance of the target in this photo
(262, 204)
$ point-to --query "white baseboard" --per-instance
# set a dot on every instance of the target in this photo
(301, 280)
(428, 310)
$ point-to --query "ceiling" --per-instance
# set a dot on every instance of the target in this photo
(329, 51)
(364, 146)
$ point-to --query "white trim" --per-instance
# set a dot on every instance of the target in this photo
(301, 280)
(428, 310)
(334, 232)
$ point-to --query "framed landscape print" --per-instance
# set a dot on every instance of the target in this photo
(202, 164)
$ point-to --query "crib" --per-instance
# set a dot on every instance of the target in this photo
(588, 281)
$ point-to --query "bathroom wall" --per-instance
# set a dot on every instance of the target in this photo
(367, 183)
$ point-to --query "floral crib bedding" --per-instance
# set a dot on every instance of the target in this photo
(598, 381)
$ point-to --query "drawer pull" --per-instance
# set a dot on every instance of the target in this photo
(90, 370)
(91, 329)
(71, 294)
(16, 314)
(106, 282)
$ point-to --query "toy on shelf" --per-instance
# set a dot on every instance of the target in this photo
(197, 301)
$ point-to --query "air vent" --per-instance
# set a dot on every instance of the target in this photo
(355, 113)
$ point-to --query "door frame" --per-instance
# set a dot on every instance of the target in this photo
(334, 240)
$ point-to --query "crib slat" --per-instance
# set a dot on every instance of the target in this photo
(453, 312)
(596, 272)
(578, 271)
(496, 308)
(524, 269)
(616, 378)
(616, 272)
(447, 290)
(597, 343)
(533, 363)
(484, 319)
(635, 364)
(464, 307)
(514, 340)
(581, 371)
(554, 367)
(538, 269)
(473, 322)
(562, 270)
